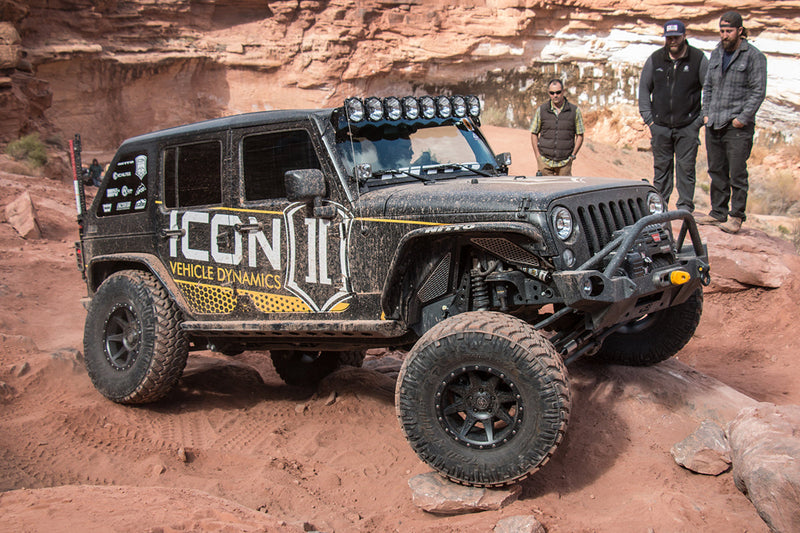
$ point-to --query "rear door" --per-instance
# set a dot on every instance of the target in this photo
(197, 240)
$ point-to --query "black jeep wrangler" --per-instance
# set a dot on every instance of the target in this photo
(387, 222)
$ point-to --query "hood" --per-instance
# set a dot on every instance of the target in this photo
(478, 195)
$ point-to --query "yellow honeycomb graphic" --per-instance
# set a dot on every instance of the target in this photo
(276, 303)
(211, 299)
(208, 298)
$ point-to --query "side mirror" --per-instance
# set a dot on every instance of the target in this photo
(308, 185)
(304, 185)
(503, 159)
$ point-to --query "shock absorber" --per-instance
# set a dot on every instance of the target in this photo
(480, 291)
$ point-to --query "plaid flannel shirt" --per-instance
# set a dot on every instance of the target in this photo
(738, 92)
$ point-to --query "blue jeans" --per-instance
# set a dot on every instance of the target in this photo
(728, 150)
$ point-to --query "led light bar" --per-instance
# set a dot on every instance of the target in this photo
(354, 109)
(443, 107)
(393, 108)
(427, 106)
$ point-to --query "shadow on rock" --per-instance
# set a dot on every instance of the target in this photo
(223, 383)
(594, 440)
(360, 382)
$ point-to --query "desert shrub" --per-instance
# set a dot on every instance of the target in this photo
(776, 193)
(28, 148)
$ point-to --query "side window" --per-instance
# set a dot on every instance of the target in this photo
(266, 157)
(126, 191)
(193, 174)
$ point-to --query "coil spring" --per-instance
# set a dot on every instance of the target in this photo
(480, 291)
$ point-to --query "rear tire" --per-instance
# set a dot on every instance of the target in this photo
(134, 349)
(655, 337)
(483, 398)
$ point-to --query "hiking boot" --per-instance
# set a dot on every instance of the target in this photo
(707, 220)
(733, 225)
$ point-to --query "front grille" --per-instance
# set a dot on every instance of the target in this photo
(600, 221)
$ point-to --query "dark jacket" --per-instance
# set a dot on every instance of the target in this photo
(557, 136)
(670, 90)
(738, 91)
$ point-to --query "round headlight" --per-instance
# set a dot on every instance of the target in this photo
(562, 222)
(473, 106)
(459, 107)
(374, 108)
(655, 204)
(354, 109)
(392, 107)
(444, 107)
(427, 106)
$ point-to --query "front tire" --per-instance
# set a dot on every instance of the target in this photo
(134, 349)
(655, 337)
(483, 398)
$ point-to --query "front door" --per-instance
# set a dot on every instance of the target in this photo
(296, 263)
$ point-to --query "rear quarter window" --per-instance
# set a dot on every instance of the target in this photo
(126, 189)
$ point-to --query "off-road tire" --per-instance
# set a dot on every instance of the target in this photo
(655, 337)
(134, 349)
(304, 368)
(490, 366)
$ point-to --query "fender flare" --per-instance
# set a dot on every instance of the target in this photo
(102, 266)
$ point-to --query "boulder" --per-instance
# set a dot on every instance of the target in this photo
(519, 524)
(705, 451)
(765, 447)
(10, 46)
(434, 494)
(674, 385)
(22, 216)
(746, 259)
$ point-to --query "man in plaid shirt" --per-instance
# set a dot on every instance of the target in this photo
(735, 87)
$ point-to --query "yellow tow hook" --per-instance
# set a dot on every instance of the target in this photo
(679, 277)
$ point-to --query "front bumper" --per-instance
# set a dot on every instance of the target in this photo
(610, 296)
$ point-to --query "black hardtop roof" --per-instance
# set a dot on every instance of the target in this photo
(234, 121)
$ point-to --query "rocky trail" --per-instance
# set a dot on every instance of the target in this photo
(235, 449)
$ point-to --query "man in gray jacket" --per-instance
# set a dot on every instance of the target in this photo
(670, 90)
(735, 87)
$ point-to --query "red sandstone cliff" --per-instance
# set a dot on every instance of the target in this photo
(111, 69)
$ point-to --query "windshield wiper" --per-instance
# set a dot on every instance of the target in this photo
(463, 167)
(404, 172)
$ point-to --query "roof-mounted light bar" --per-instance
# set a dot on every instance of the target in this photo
(411, 108)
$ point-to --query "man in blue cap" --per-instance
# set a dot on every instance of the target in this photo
(670, 91)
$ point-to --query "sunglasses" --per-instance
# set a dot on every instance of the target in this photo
(554, 92)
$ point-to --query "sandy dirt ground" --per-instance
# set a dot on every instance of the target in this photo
(235, 449)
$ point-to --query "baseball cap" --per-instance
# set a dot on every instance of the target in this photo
(731, 18)
(674, 27)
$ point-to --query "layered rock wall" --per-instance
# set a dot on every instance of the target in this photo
(113, 69)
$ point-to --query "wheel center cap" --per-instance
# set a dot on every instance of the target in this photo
(481, 401)
(131, 336)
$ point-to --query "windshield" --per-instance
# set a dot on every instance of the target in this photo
(415, 149)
